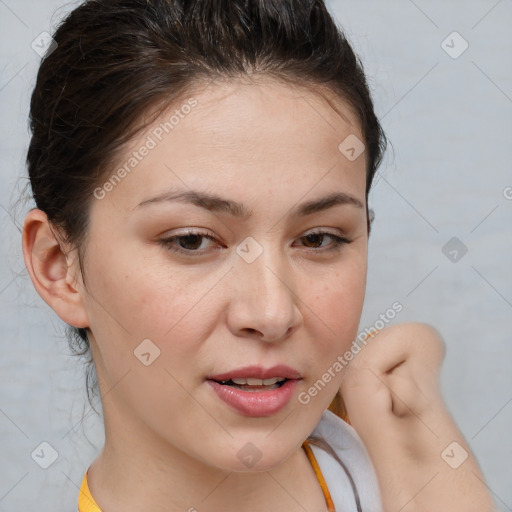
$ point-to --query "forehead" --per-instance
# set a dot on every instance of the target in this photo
(263, 107)
(245, 137)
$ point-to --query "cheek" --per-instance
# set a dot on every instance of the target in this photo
(141, 297)
(135, 302)
(336, 304)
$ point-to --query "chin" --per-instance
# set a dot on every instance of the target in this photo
(255, 457)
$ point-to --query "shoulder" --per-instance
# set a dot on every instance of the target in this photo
(341, 436)
(355, 475)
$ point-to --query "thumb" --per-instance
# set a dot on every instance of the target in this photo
(369, 406)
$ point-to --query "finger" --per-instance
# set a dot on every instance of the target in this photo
(396, 344)
(369, 404)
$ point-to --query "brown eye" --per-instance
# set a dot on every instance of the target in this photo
(188, 243)
(313, 240)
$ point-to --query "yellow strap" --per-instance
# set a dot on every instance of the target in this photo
(319, 476)
(86, 502)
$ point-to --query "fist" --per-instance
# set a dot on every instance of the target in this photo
(392, 395)
(398, 370)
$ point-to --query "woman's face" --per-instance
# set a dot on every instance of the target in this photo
(168, 314)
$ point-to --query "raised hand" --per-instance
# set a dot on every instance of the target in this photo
(392, 394)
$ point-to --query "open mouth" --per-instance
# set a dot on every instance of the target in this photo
(251, 384)
(255, 397)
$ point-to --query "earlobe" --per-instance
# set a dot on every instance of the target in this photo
(54, 274)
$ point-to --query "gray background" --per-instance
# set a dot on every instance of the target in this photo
(449, 120)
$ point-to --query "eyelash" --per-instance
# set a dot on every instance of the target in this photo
(338, 242)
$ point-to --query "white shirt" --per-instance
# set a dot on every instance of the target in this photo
(348, 446)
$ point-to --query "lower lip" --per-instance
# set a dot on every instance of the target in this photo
(256, 403)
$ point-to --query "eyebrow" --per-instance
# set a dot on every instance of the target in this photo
(216, 203)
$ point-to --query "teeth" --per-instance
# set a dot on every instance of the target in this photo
(258, 382)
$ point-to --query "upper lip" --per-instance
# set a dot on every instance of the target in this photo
(258, 372)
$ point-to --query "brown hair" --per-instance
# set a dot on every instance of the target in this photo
(116, 61)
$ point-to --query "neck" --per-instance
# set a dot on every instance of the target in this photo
(151, 474)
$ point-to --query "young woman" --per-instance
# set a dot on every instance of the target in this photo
(201, 172)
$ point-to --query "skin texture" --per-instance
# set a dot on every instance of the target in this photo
(394, 401)
(170, 443)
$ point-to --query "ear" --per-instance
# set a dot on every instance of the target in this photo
(55, 275)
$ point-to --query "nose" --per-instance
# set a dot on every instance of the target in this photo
(263, 301)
